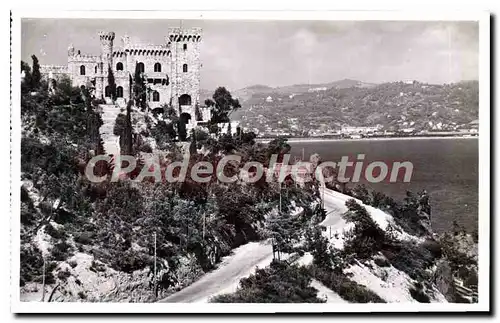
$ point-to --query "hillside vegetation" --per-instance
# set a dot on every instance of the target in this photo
(394, 106)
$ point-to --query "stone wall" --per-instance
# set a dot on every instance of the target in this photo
(185, 46)
(182, 46)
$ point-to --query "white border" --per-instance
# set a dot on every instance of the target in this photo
(484, 162)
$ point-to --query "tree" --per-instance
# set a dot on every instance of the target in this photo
(126, 141)
(193, 146)
(317, 245)
(111, 83)
(35, 75)
(181, 129)
(26, 83)
(140, 90)
(222, 105)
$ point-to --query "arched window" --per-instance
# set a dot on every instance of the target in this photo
(185, 46)
(96, 69)
(185, 99)
(82, 70)
(185, 68)
(156, 96)
(119, 92)
(119, 66)
(107, 91)
(140, 66)
(157, 67)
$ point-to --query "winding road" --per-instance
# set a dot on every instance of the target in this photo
(244, 260)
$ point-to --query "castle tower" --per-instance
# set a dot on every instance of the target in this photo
(106, 39)
(185, 71)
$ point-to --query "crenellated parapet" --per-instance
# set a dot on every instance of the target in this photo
(177, 34)
(56, 69)
(141, 51)
(84, 58)
(106, 35)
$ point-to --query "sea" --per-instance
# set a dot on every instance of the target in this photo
(447, 168)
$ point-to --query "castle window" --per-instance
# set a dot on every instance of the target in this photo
(185, 47)
(107, 91)
(185, 68)
(157, 67)
(96, 69)
(140, 67)
(185, 99)
(119, 92)
(119, 66)
(82, 70)
(156, 96)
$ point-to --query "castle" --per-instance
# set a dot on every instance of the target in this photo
(171, 71)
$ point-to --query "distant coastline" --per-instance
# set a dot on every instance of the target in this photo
(312, 139)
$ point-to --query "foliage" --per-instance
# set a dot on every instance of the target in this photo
(410, 257)
(126, 139)
(111, 83)
(193, 146)
(139, 89)
(36, 77)
(317, 244)
(120, 124)
(278, 283)
(366, 238)
(222, 105)
(387, 104)
(361, 193)
(342, 285)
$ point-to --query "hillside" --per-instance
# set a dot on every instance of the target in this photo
(259, 90)
(394, 106)
(138, 239)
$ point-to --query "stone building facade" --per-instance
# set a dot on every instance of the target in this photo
(171, 71)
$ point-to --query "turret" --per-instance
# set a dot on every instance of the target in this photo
(106, 39)
(186, 65)
(71, 50)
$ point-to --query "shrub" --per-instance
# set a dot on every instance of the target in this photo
(61, 251)
(129, 261)
(86, 237)
(97, 267)
(120, 123)
(410, 258)
(342, 285)
(419, 295)
(55, 233)
(145, 148)
(366, 238)
(278, 283)
(63, 274)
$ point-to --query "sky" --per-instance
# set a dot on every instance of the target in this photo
(239, 53)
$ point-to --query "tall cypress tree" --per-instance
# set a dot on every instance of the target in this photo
(35, 75)
(139, 89)
(193, 149)
(111, 83)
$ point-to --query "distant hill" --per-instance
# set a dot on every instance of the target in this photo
(392, 105)
(247, 92)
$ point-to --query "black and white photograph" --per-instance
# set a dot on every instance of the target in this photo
(338, 160)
